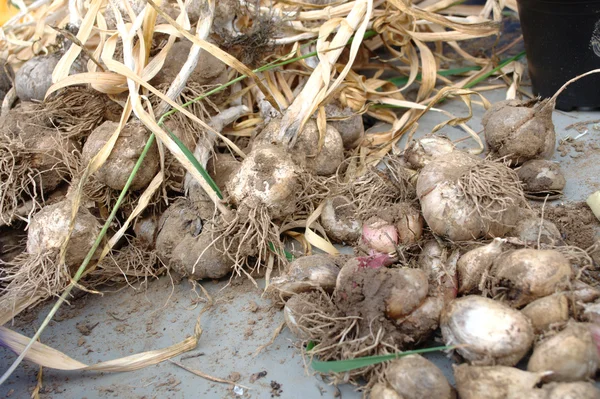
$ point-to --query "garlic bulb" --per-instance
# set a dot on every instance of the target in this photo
(380, 235)
(339, 221)
(449, 199)
(267, 177)
(420, 152)
(548, 311)
(491, 332)
(473, 266)
(382, 391)
(525, 275)
(414, 377)
(571, 355)
(530, 228)
(492, 382)
(564, 390)
(409, 289)
(308, 273)
(520, 131)
(49, 228)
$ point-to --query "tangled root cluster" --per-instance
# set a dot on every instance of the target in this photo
(378, 188)
(32, 277)
(132, 263)
(493, 188)
(338, 336)
(77, 111)
(248, 239)
(27, 170)
(254, 41)
(314, 190)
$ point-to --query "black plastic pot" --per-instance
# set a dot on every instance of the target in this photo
(562, 40)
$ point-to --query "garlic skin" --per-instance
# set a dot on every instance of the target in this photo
(410, 288)
(564, 390)
(491, 332)
(307, 273)
(440, 267)
(409, 224)
(444, 206)
(338, 220)
(414, 377)
(547, 312)
(592, 313)
(267, 177)
(520, 131)
(432, 259)
(492, 382)
(473, 266)
(540, 176)
(382, 391)
(524, 275)
(380, 235)
(584, 293)
(294, 308)
(422, 151)
(571, 355)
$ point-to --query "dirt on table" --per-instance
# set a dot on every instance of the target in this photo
(576, 222)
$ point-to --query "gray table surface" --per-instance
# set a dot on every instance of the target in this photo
(130, 321)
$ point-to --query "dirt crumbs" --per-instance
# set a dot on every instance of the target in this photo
(576, 222)
(257, 376)
(234, 376)
(275, 389)
(85, 328)
(576, 149)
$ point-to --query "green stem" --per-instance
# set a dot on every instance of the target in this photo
(190, 156)
(113, 213)
(490, 73)
(401, 80)
(341, 366)
(264, 68)
(84, 264)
